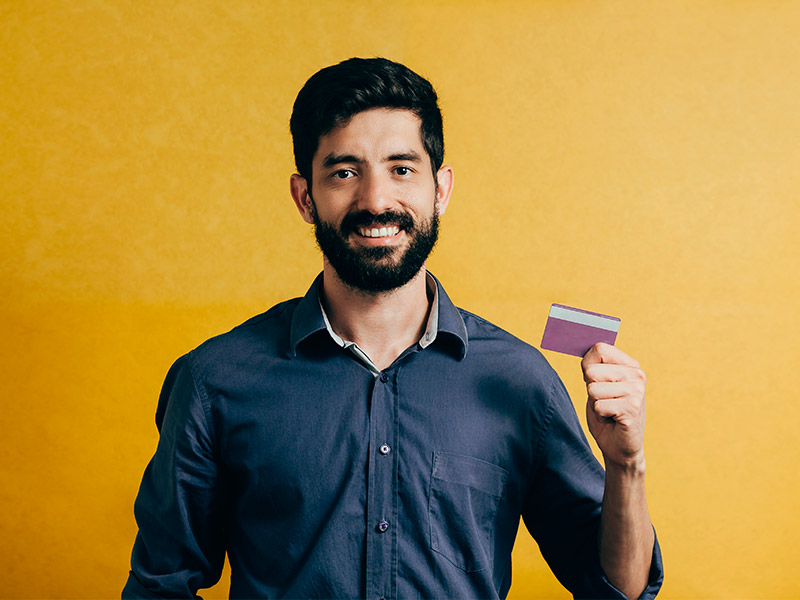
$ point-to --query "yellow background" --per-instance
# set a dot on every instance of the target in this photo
(634, 158)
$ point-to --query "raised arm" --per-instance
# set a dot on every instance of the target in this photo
(615, 414)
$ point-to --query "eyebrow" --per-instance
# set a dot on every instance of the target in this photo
(409, 156)
(331, 160)
(336, 159)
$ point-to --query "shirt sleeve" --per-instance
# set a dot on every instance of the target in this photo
(563, 503)
(180, 546)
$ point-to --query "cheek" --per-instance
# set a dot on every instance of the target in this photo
(419, 199)
(330, 207)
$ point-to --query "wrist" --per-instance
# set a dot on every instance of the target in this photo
(634, 466)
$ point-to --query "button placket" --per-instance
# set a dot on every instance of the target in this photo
(381, 489)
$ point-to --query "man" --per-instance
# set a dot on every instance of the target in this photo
(371, 440)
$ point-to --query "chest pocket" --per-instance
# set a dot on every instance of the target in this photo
(464, 495)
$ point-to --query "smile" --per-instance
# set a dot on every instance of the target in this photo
(376, 232)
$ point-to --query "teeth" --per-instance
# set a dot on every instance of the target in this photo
(382, 232)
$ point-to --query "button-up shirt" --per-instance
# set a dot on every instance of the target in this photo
(324, 477)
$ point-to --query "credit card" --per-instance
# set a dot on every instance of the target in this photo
(574, 331)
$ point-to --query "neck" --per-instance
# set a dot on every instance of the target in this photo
(383, 324)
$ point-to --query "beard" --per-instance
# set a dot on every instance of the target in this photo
(376, 269)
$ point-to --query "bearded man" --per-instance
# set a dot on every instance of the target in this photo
(370, 439)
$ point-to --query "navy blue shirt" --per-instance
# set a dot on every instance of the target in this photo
(322, 477)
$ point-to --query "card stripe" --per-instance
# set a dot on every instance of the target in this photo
(584, 318)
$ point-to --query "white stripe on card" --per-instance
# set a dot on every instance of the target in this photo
(582, 318)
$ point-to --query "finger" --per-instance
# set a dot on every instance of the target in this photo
(609, 372)
(618, 409)
(607, 409)
(607, 354)
(614, 389)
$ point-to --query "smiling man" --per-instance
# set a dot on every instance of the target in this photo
(370, 439)
(376, 218)
(387, 155)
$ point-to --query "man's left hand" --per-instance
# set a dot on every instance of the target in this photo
(615, 410)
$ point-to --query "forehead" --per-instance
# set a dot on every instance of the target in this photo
(373, 133)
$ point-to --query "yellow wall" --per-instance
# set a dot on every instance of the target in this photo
(635, 158)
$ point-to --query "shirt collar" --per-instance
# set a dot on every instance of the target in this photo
(309, 318)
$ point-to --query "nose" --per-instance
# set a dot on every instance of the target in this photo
(375, 192)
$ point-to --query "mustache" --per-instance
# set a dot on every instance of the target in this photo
(364, 218)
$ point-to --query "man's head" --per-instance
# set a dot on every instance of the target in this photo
(336, 93)
(369, 151)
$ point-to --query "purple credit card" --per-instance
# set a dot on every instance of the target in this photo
(574, 331)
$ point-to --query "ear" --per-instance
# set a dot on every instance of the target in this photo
(444, 187)
(298, 187)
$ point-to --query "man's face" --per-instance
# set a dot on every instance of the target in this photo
(374, 204)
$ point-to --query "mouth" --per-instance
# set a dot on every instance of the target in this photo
(379, 232)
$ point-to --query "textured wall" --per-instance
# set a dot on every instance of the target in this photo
(638, 159)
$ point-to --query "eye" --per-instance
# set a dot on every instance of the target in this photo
(403, 171)
(343, 174)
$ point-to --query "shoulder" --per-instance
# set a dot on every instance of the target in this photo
(518, 375)
(496, 348)
(484, 336)
(228, 362)
(263, 335)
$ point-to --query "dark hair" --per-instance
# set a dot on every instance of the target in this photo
(334, 94)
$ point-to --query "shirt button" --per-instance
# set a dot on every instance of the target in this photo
(383, 526)
(384, 377)
(385, 449)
